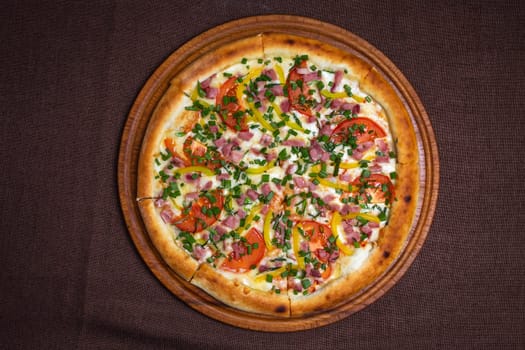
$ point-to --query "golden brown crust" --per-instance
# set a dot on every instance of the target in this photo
(324, 55)
(163, 239)
(170, 106)
(219, 59)
(237, 295)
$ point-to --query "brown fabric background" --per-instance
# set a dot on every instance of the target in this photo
(70, 276)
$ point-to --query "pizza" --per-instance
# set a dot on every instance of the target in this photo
(279, 174)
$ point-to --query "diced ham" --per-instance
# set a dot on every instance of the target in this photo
(348, 106)
(270, 73)
(264, 209)
(304, 246)
(211, 92)
(159, 202)
(337, 80)
(266, 140)
(221, 230)
(382, 145)
(357, 155)
(312, 186)
(236, 156)
(356, 109)
(294, 143)
(316, 152)
(285, 106)
(373, 224)
(329, 197)
(214, 129)
(277, 90)
(366, 229)
(178, 162)
(223, 176)
(325, 156)
(245, 135)
(350, 233)
(199, 252)
(231, 222)
(365, 146)
(345, 176)
(206, 83)
(333, 256)
(188, 178)
(383, 159)
(325, 130)
(167, 215)
(349, 208)
(238, 249)
(336, 103)
(220, 142)
(302, 71)
(252, 194)
(375, 168)
(192, 196)
(207, 186)
(270, 156)
(310, 76)
(241, 199)
(299, 182)
(263, 268)
(241, 213)
(266, 189)
(292, 168)
(322, 254)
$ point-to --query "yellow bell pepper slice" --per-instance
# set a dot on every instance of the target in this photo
(368, 217)
(274, 273)
(288, 122)
(261, 169)
(259, 117)
(240, 87)
(358, 98)
(266, 230)
(296, 236)
(336, 223)
(195, 169)
(280, 73)
(329, 94)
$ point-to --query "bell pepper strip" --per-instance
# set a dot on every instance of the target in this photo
(296, 236)
(261, 169)
(335, 185)
(259, 117)
(195, 169)
(359, 99)
(353, 165)
(288, 122)
(242, 85)
(333, 95)
(266, 230)
(274, 273)
(368, 217)
(255, 210)
(280, 73)
(336, 223)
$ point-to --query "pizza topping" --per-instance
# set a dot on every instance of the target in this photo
(279, 175)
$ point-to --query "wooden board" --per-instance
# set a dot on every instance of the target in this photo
(157, 84)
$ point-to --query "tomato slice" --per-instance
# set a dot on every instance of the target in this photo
(364, 129)
(298, 90)
(196, 151)
(229, 112)
(246, 261)
(317, 235)
(200, 215)
(377, 186)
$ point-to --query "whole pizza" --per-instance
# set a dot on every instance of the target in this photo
(279, 174)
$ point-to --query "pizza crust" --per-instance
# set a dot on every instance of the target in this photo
(237, 295)
(163, 238)
(319, 53)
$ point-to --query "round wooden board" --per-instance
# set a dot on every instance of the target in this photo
(153, 90)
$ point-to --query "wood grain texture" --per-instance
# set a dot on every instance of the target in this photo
(155, 87)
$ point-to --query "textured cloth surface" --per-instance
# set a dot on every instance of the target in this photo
(70, 275)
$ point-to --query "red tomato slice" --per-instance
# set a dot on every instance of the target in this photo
(195, 152)
(228, 111)
(246, 261)
(364, 130)
(374, 185)
(194, 220)
(318, 235)
(302, 89)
